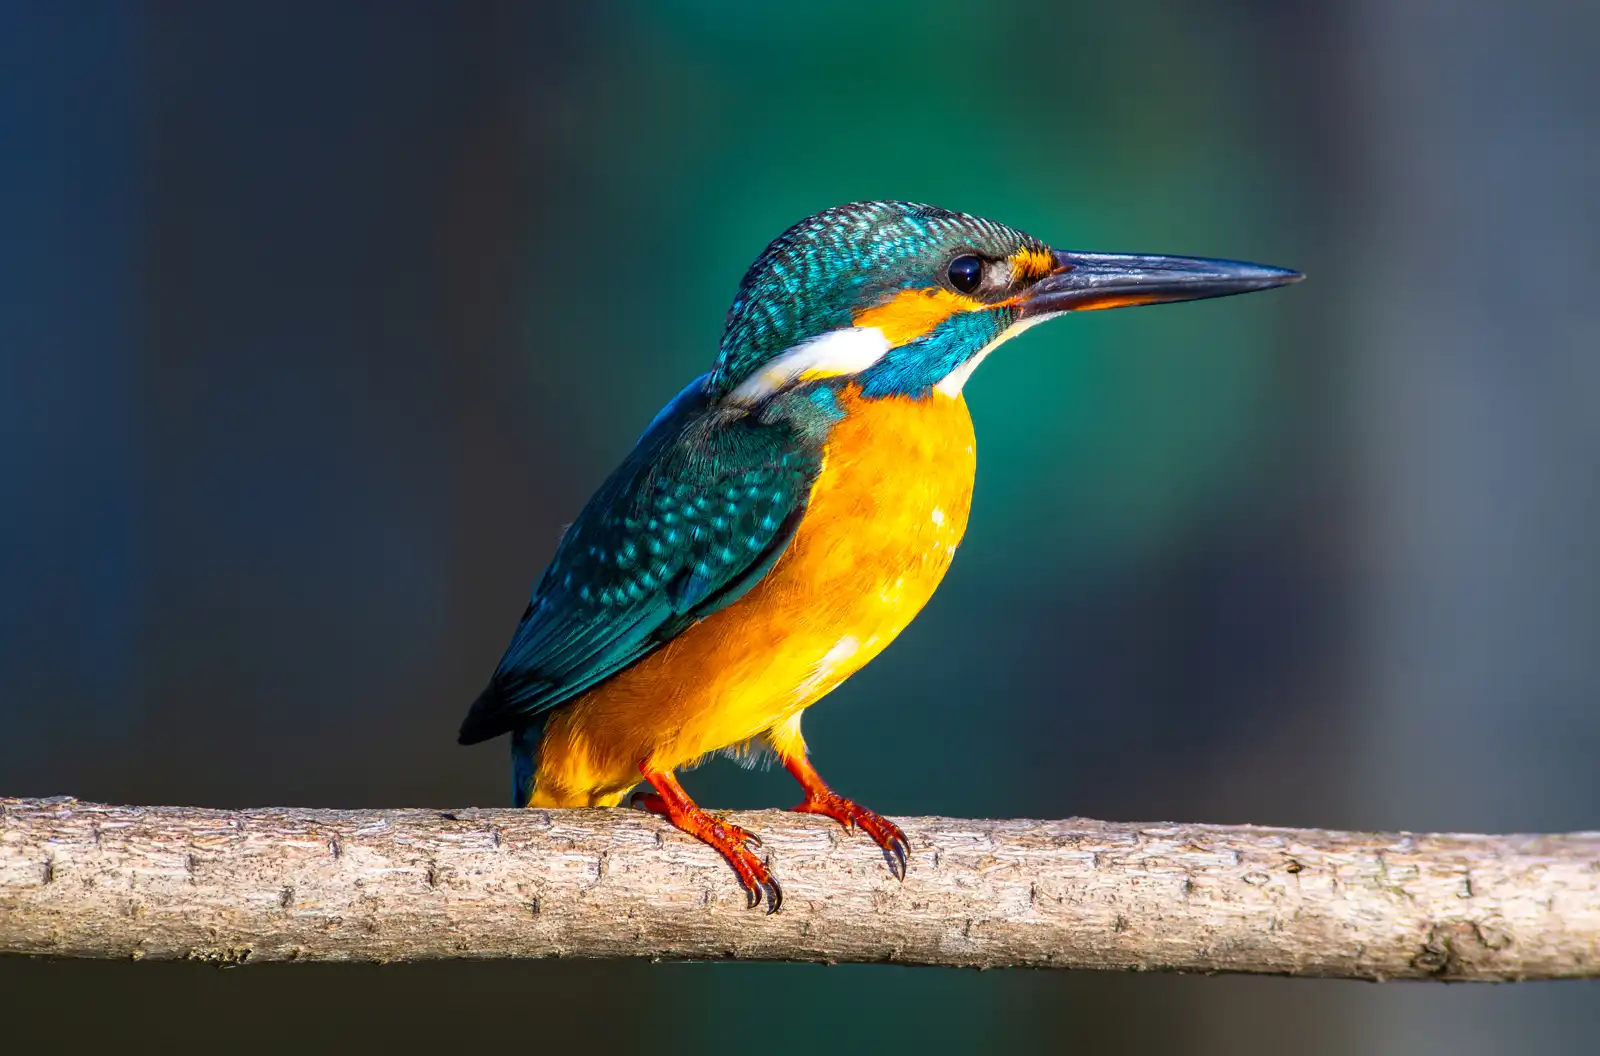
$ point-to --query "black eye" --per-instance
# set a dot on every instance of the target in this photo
(966, 272)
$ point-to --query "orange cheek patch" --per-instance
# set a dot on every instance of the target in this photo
(1028, 264)
(913, 313)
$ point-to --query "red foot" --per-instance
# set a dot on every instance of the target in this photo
(820, 799)
(729, 840)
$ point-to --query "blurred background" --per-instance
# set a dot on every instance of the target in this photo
(312, 343)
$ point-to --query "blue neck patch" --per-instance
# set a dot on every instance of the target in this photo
(916, 367)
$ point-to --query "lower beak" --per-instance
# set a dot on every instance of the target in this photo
(1087, 281)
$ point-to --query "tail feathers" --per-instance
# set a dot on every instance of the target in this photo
(485, 719)
(524, 762)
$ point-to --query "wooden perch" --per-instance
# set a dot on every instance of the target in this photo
(86, 880)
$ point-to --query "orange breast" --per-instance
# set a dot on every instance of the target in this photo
(882, 524)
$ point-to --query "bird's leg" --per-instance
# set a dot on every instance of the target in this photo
(820, 799)
(732, 842)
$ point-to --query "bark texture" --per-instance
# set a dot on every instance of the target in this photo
(87, 880)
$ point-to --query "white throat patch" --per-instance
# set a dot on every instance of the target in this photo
(848, 350)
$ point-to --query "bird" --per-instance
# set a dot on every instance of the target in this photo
(788, 513)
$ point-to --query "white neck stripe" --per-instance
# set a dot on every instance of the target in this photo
(848, 350)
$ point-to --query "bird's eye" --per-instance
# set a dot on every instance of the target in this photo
(966, 271)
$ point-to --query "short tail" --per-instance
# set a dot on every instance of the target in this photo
(524, 762)
(485, 720)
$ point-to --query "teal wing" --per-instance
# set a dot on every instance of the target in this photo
(697, 514)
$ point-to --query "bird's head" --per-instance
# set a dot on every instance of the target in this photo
(908, 299)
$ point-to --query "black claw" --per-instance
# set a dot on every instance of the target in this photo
(752, 839)
(897, 853)
(752, 895)
(774, 897)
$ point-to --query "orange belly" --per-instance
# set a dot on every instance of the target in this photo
(880, 529)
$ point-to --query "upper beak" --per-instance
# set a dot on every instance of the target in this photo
(1086, 281)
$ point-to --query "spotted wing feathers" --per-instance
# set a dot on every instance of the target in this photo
(695, 517)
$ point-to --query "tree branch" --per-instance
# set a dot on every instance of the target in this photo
(86, 880)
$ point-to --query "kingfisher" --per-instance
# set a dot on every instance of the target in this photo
(788, 513)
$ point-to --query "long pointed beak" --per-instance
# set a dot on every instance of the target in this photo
(1088, 281)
